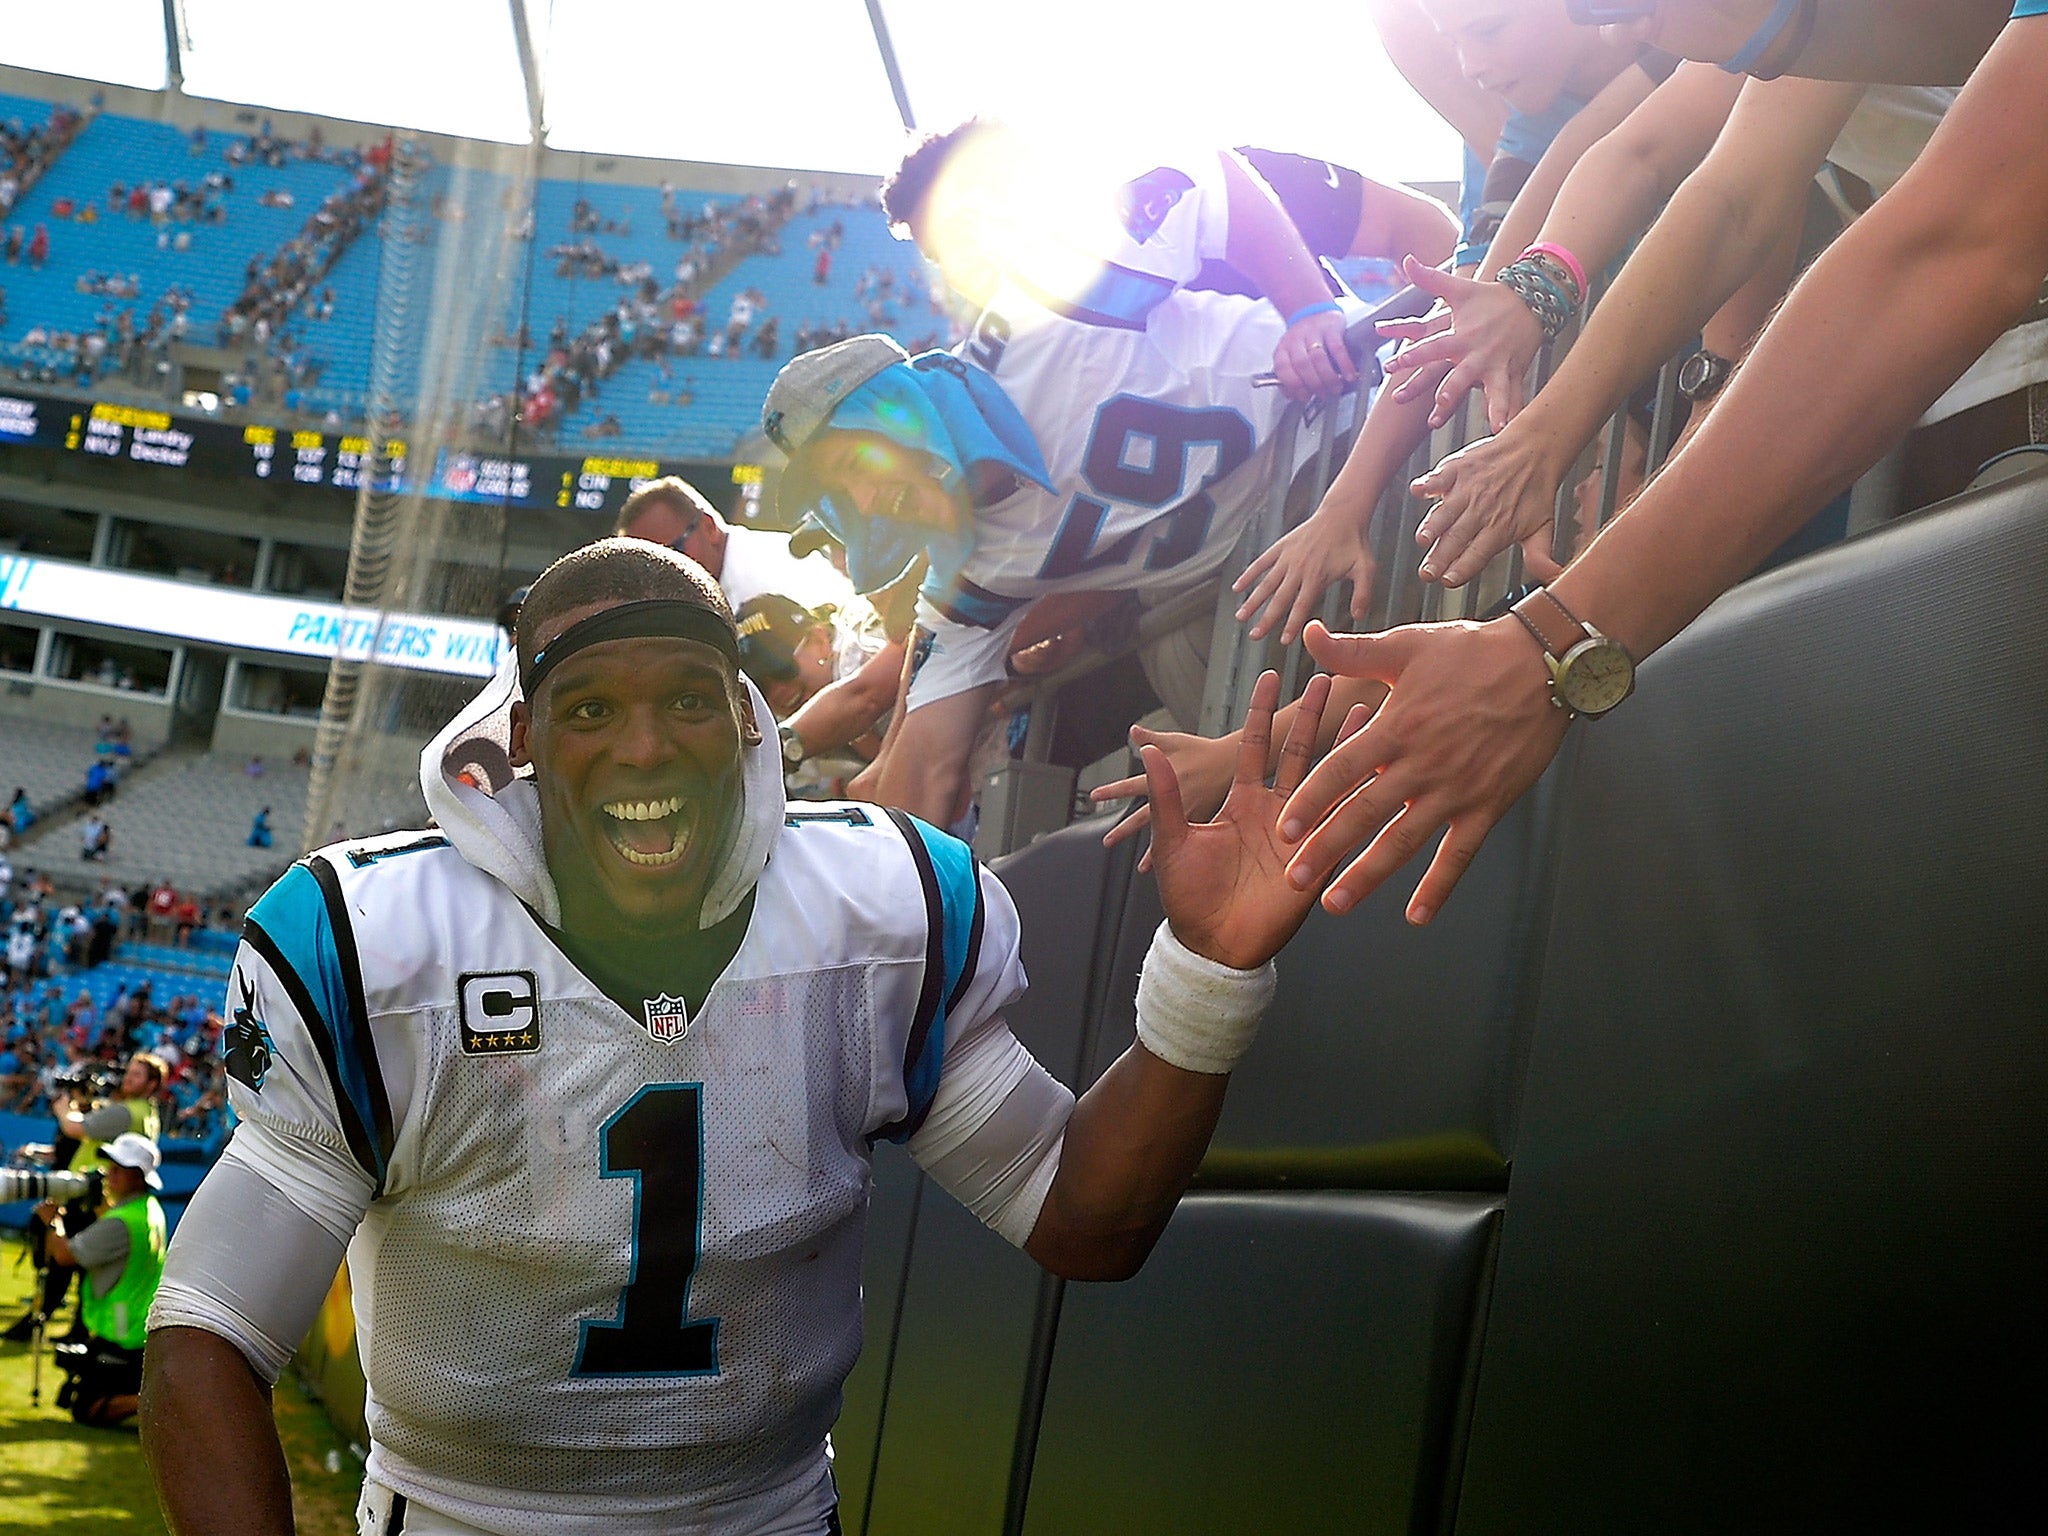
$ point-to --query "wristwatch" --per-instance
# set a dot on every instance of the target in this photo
(792, 747)
(1589, 673)
(1701, 376)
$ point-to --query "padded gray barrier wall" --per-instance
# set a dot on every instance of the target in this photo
(1284, 1362)
(1775, 1255)
(965, 1364)
(1751, 995)
(1391, 1055)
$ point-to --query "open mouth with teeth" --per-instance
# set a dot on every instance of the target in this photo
(651, 834)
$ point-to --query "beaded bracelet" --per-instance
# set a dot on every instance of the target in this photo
(1544, 295)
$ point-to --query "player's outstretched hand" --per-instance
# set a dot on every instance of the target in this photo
(1490, 347)
(1490, 494)
(1467, 728)
(1224, 882)
(1289, 577)
(1203, 766)
(1311, 359)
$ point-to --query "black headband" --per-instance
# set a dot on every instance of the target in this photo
(661, 616)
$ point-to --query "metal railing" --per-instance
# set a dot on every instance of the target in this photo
(1399, 596)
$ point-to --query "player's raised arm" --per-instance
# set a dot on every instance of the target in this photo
(210, 1438)
(1138, 1134)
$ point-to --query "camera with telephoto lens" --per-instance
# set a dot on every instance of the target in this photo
(49, 1184)
(88, 1080)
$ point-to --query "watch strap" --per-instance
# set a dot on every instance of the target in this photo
(1541, 639)
(1555, 626)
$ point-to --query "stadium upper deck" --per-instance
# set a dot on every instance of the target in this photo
(137, 258)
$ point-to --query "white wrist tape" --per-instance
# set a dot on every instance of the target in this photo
(1195, 1013)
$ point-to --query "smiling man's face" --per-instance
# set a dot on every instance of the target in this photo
(636, 747)
(878, 477)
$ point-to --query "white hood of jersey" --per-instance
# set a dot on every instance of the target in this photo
(492, 816)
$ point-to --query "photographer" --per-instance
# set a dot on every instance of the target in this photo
(131, 1106)
(130, 1109)
(122, 1254)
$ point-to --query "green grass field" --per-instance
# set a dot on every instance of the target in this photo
(58, 1478)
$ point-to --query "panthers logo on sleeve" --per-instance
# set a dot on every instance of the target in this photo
(1143, 204)
(248, 1039)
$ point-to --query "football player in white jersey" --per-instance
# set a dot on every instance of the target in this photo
(1049, 453)
(982, 201)
(586, 1086)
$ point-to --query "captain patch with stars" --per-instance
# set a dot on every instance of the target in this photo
(500, 1013)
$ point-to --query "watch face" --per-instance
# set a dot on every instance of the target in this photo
(1594, 676)
(1700, 375)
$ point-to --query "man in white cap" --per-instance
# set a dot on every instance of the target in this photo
(122, 1254)
(1059, 450)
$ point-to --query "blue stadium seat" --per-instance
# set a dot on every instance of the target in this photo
(117, 149)
(727, 392)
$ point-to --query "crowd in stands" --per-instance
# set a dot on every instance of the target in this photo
(52, 1023)
(127, 339)
(117, 343)
(658, 318)
(646, 321)
(26, 151)
(162, 203)
(276, 286)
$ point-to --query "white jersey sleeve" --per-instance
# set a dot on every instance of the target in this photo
(1107, 254)
(301, 1057)
(972, 972)
(259, 1244)
(256, 1252)
(981, 1115)
(1172, 218)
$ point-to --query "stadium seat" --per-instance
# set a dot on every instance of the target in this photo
(49, 761)
(1286, 1362)
(1774, 1247)
(186, 819)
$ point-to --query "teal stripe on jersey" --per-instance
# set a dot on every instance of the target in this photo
(960, 919)
(2029, 8)
(294, 914)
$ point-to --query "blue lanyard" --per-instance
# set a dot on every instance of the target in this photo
(1761, 40)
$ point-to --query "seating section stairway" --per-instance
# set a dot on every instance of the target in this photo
(187, 818)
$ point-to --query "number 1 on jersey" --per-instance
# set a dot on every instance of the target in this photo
(656, 1140)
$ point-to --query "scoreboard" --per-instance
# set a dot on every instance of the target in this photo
(145, 435)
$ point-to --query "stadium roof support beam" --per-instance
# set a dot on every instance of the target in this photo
(888, 51)
(174, 47)
(530, 73)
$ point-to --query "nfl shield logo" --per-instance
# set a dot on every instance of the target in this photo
(668, 1018)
